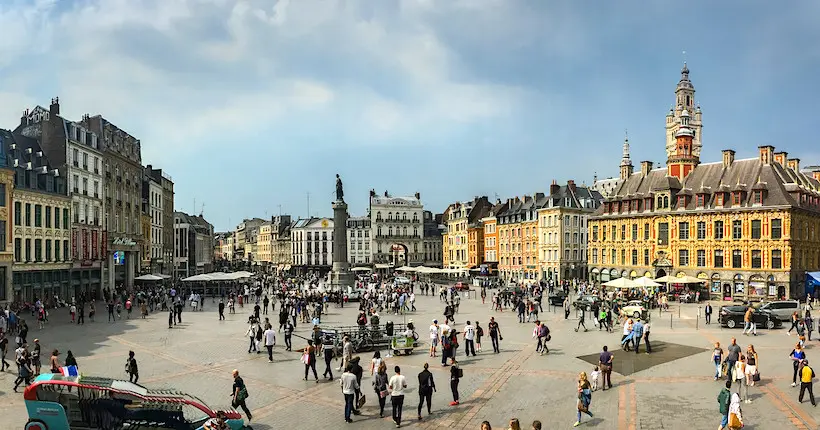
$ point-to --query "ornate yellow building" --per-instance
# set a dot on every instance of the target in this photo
(749, 228)
(518, 238)
(463, 241)
(265, 243)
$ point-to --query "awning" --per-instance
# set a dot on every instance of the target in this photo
(360, 269)
(382, 266)
(148, 278)
(621, 283)
(812, 282)
(680, 280)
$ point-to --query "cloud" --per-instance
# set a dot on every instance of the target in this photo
(174, 71)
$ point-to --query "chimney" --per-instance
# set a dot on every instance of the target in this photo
(571, 185)
(728, 157)
(766, 154)
(24, 118)
(54, 109)
(418, 196)
(539, 196)
(646, 167)
(554, 188)
(794, 164)
(781, 157)
(816, 174)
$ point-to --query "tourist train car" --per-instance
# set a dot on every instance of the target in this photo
(59, 402)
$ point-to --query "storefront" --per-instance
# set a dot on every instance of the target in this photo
(32, 285)
(123, 256)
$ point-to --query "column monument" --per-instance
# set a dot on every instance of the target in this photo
(340, 275)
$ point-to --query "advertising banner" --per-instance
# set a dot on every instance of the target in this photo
(85, 245)
(75, 238)
(95, 235)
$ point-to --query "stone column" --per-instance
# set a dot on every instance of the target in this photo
(340, 274)
(112, 269)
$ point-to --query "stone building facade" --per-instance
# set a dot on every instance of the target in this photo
(397, 229)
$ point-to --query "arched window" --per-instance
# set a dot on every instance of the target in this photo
(378, 216)
(390, 216)
(660, 202)
(666, 201)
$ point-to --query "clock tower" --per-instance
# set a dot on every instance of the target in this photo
(684, 102)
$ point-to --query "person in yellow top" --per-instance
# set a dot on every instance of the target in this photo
(806, 377)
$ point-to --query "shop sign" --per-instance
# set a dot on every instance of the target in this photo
(75, 237)
(94, 247)
(123, 241)
(85, 244)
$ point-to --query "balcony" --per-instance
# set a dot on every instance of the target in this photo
(96, 171)
(76, 163)
(85, 192)
(96, 195)
(76, 190)
(85, 166)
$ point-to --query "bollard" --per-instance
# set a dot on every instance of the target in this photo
(697, 322)
(670, 321)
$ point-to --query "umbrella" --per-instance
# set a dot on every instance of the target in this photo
(198, 278)
(148, 278)
(621, 283)
(644, 281)
(406, 269)
(680, 279)
(361, 269)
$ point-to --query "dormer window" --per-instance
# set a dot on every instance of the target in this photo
(681, 202)
(736, 198)
(701, 200)
(719, 199)
(758, 197)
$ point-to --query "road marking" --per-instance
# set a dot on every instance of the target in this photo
(790, 408)
(622, 418)
(633, 398)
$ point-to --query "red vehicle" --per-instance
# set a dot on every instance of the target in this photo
(461, 286)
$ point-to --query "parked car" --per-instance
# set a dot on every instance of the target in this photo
(634, 309)
(732, 316)
(402, 280)
(586, 302)
(461, 286)
(557, 298)
(782, 309)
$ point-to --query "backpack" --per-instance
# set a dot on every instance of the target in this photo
(480, 331)
(459, 372)
(258, 334)
(445, 341)
(425, 384)
(543, 331)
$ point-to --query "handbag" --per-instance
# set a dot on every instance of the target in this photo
(383, 394)
(362, 400)
(734, 421)
(756, 377)
(242, 394)
(305, 358)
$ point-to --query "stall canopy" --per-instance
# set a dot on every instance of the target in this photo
(621, 283)
(406, 269)
(812, 282)
(149, 278)
(680, 280)
(644, 281)
(361, 269)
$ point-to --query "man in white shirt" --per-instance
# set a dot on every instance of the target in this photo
(413, 302)
(397, 384)
(469, 338)
(349, 385)
(270, 341)
(434, 335)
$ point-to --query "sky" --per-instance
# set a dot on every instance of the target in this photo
(253, 106)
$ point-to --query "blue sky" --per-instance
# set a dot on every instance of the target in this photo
(250, 104)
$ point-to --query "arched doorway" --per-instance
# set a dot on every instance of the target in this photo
(660, 273)
(398, 254)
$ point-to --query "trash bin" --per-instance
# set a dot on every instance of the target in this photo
(388, 328)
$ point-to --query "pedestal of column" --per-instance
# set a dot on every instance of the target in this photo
(131, 260)
(340, 275)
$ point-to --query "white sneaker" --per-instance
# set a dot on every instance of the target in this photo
(793, 384)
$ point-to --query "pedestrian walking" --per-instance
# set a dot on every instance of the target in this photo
(707, 312)
(724, 400)
(581, 321)
(4, 345)
(637, 335)
(251, 334)
(806, 382)
(397, 385)
(646, 328)
(309, 360)
(270, 341)
(584, 397)
(427, 386)
(733, 352)
(469, 339)
(605, 361)
(240, 394)
(479, 333)
(35, 357)
(435, 333)
(797, 356)
(717, 359)
(495, 334)
(327, 353)
(131, 368)
(380, 386)
(456, 373)
(349, 387)
(24, 371)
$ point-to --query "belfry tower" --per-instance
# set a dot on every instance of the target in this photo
(684, 101)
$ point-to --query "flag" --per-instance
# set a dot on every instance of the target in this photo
(69, 371)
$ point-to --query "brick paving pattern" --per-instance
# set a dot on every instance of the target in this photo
(198, 356)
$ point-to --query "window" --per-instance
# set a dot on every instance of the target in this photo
(28, 214)
(757, 259)
(645, 257)
(700, 200)
(737, 229)
(28, 250)
(777, 228)
(2, 236)
(2, 195)
(38, 215)
(663, 233)
(758, 197)
(634, 232)
(623, 257)
(701, 227)
(719, 199)
(777, 259)
(38, 249)
(646, 231)
(614, 257)
(736, 198)
(634, 257)
(595, 233)
(18, 213)
(718, 258)
(683, 234)
(756, 223)
(701, 258)
(48, 216)
(623, 232)
(65, 250)
(18, 250)
(683, 257)
(718, 230)
(737, 259)
(56, 217)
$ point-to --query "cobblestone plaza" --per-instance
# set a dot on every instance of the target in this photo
(657, 392)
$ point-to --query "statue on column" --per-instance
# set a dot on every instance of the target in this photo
(340, 193)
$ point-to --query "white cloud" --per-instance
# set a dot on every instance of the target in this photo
(171, 70)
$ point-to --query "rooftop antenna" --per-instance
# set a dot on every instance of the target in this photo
(202, 210)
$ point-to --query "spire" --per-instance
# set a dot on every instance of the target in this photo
(626, 160)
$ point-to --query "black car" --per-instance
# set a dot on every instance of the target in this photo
(733, 316)
(585, 302)
(557, 298)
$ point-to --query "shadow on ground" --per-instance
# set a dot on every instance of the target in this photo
(627, 363)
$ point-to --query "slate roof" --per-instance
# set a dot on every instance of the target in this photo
(780, 185)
